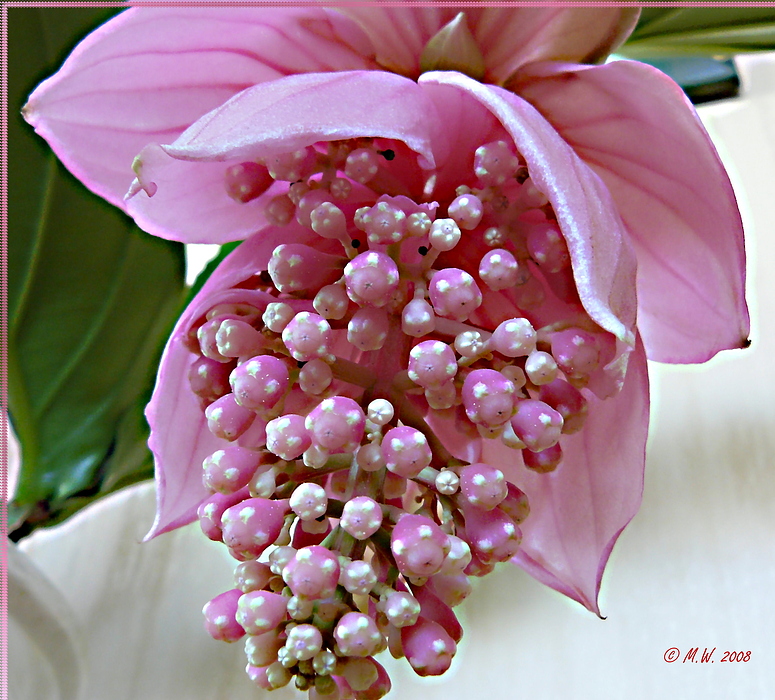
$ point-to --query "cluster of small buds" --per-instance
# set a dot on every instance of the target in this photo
(356, 531)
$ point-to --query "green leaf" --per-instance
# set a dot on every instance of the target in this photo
(706, 31)
(90, 299)
(703, 79)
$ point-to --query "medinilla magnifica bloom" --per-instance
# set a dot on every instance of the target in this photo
(429, 354)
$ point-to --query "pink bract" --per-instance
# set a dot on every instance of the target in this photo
(343, 117)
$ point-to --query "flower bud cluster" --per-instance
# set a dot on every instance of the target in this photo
(355, 528)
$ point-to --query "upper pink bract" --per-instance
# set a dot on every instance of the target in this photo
(628, 169)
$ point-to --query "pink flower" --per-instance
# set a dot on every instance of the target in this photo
(461, 262)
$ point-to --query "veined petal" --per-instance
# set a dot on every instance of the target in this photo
(603, 262)
(190, 202)
(180, 438)
(578, 511)
(636, 129)
(508, 37)
(512, 38)
(148, 74)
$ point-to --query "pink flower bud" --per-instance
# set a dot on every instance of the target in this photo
(419, 546)
(576, 352)
(358, 577)
(402, 609)
(309, 501)
(543, 461)
(362, 165)
(336, 424)
(357, 634)
(433, 608)
(483, 486)
(444, 234)
(452, 589)
(220, 617)
(251, 575)
(494, 163)
(230, 469)
(530, 197)
(454, 294)
(492, 535)
(260, 382)
(312, 573)
(295, 267)
(315, 377)
(235, 338)
(360, 673)
(441, 397)
(327, 220)
(548, 247)
(432, 364)
(246, 181)
(428, 648)
(277, 316)
(279, 210)
(252, 525)
(304, 641)
(467, 211)
(361, 517)
(514, 338)
(384, 223)
(368, 329)
(370, 457)
(379, 688)
(457, 558)
(488, 397)
(418, 224)
(261, 611)
(417, 318)
(371, 278)
(262, 649)
(209, 379)
(499, 269)
(287, 437)
(331, 302)
(211, 510)
(208, 345)
(540, 367)
(291, 166)
(515, 505)
(537, 424)
(226, 419)
(406, 451)
(568, 401)
(307, 336)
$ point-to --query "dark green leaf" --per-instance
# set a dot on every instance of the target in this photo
(91, 299)
(702, 78)
(702, 30)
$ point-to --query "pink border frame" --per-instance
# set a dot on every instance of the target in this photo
(4, 418)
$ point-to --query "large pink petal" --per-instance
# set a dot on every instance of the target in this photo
(508, 37)
(603, 262)
(637, 130)
(148, 74)
(190, 202)
(180, 439)
(578, 511)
